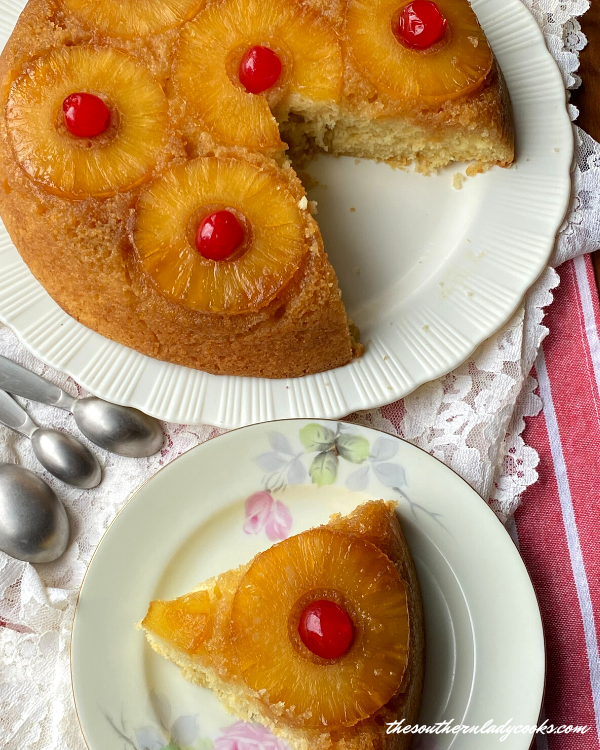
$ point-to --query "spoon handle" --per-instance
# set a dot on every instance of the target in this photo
(22, 382)
(14, 417)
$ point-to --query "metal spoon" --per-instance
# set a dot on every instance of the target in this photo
(119, 429)
(62, 455)
(33, 523)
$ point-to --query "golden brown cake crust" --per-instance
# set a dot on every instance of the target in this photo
(81, 251)
(374, 522)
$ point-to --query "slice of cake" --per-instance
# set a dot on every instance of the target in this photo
(146, 153)
(320, 637)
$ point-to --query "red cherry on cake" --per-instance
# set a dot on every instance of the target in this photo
(421, 25)
(325, 629)
(219, 235)
(260, 69)
(85, 115)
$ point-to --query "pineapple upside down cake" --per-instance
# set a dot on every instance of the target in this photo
(320, 637)
(146, 154)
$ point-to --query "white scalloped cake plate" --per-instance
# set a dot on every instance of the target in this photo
(427, 272)
(485, 659)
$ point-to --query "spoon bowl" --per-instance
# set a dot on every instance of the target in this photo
(66, 458)
(62, 455)
(118, 429)
(33, 523)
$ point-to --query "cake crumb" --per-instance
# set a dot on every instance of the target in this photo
(357, 161)
(357, 271)
(389, 387)
(457, 180)
(387, 356)
(469, 294)
(474, 41)
(352, 209)
(556, 150)
(425, 327)
(312, 207)
(303, 203)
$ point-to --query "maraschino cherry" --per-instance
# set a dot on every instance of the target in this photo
(260, 69)
(421, 25)
(85, 115)
(325, 629)
(219, 235)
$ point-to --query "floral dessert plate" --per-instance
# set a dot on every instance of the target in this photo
(427, 272)
(221, 503)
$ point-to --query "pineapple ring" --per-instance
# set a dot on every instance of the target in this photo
(130, 18)
(245, 283)
(316, 692)
(456, 66)
(312, 66)
(185, 621)
(79, 167)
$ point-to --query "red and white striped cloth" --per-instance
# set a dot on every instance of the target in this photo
(557, 526)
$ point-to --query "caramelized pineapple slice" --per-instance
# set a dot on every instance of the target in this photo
(455, 66)
(80, 167)
(131, 18)
(184, 621)
(206, 74)
(170, 210)
(316, 565)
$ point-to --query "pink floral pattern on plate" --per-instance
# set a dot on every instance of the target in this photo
(263, 512)
(243, 736)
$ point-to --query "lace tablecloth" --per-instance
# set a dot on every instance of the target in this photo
(472, 419)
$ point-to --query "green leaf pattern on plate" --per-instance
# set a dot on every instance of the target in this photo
(317, 437)
(353, 448)
(324, 469)
(284, 465)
